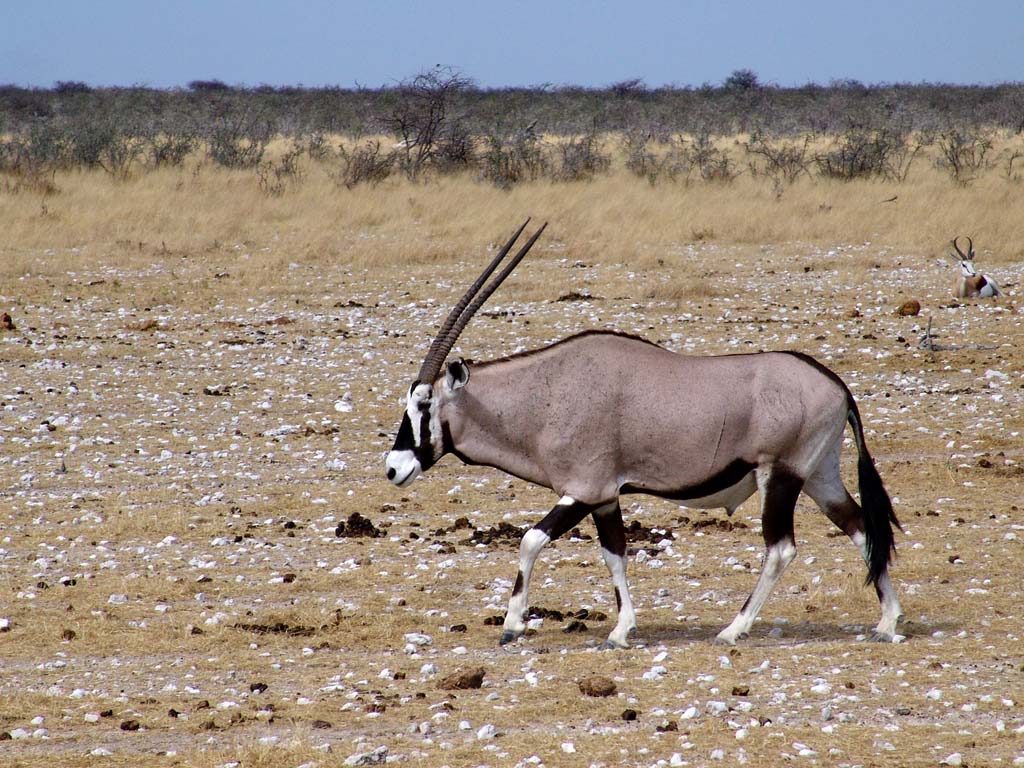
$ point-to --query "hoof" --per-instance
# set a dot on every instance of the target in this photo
(726, 640)
(886, 637)
(611, 645)
(508, 637)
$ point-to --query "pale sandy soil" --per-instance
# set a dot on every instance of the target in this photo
(181, 437)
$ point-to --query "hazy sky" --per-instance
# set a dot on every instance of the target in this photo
(516, 42)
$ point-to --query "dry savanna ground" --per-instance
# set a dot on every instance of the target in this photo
(201, 563)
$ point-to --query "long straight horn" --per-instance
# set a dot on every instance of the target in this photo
(435, 357)
(481, 297)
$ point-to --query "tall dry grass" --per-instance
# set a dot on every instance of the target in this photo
(190, 211)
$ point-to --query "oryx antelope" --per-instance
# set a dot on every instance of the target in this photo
(971, 284)
(602, 414)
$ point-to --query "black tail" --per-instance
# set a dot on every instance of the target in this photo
(879, 516)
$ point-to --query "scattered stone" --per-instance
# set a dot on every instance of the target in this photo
(597, 686)
(629, 715)
(574, 626)
(321, 725)
(7, 323)
(741, 690)
(130, 725)
(379, 756)
(463, 680)
(258, 687)
(669, 726)
(68, 634)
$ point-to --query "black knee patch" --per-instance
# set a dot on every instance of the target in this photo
(779, 503)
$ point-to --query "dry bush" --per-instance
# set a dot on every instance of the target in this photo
(780, 161)
(365, 163)
(861, 153)
(238, 139)
(639, 159)
(964, 153)
(580, 158)
(276, 176)
(509, 160)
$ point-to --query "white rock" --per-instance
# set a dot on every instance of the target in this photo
(655, 673)
(487, 731)
(378, 756)
(101, 752)
(418, 638)
(568, 747)
(19, 733)
(716, 707)
(954, 759)
(934, 694)
(117, 599)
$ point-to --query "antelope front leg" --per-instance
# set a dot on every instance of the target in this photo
(565, 515)
(612, 536)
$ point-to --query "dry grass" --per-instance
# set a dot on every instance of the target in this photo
(199, 209)
(217, 512)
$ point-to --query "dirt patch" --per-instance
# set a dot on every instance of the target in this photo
(231, 571)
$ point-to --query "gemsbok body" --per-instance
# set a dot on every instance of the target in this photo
(601, 414)
(971, 284)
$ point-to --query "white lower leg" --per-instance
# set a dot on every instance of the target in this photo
(777, 557)
(627, 616)
(529, 548)
(891, 611)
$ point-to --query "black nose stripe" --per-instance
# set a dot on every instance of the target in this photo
(404, 441)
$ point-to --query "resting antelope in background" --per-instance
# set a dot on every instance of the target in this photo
(971, 284)
(601, 414)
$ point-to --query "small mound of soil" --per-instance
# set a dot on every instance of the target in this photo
(358, 526)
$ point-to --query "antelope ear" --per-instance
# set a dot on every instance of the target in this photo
(456, 375)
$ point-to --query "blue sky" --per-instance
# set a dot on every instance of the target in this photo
(375, 42)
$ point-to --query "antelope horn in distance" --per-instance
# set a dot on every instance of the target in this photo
(957, 248)
(970, 247)
(464, 310)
